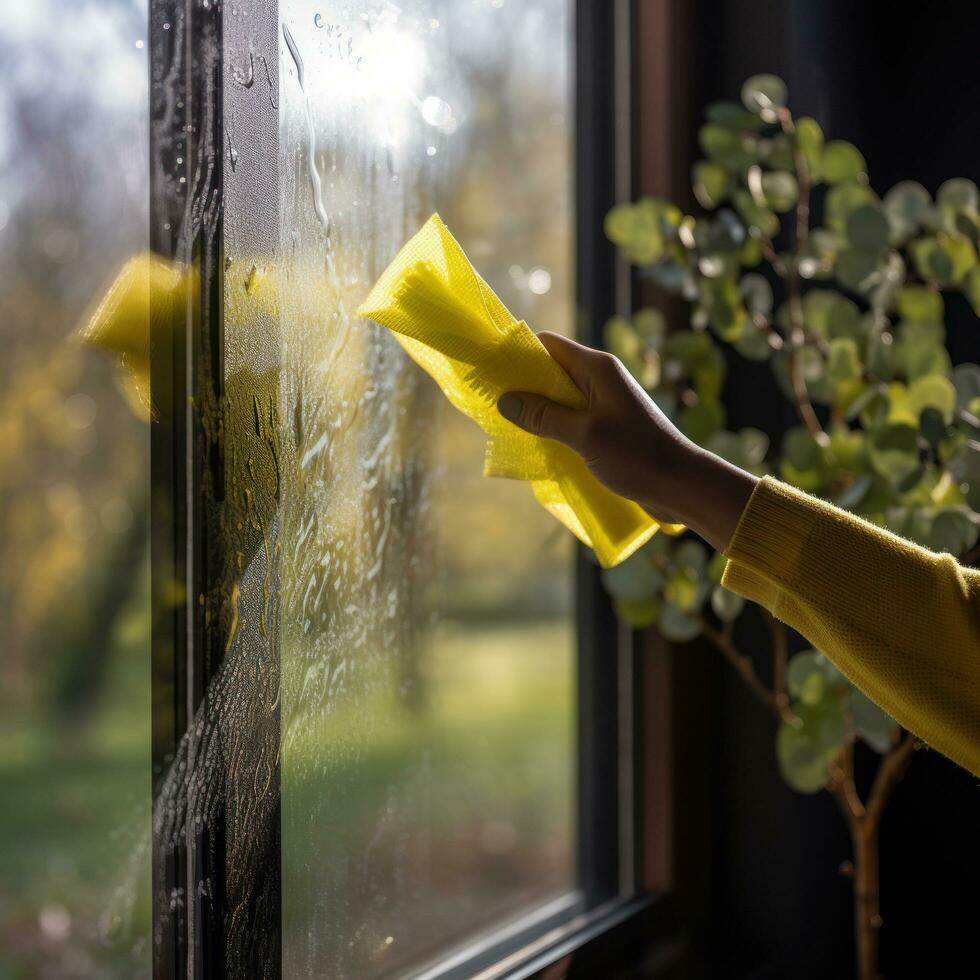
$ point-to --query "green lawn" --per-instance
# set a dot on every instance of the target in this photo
(462, 805)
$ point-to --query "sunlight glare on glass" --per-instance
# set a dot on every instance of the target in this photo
(392, 65)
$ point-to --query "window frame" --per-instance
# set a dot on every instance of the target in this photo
(193, 220)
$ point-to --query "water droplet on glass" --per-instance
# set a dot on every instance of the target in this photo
(438, 113)
(430, 151)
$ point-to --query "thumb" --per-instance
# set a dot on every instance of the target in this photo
(542, 417)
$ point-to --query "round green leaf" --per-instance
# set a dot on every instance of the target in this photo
(809, 138)
(921, 350)
(754, 445)
(760, 220)
(801, 764)
(635, 579)
(868, 229)
(966, 381)
(716, 567)
(731, 115)
(732, 149)
(932, 261)
(920, 304)
(778, 191)
(806, 746)
(711, 183)
(828, 314)
(803, 461)
(958, 194)
(961, 254)
(932, 425)
(814, 370)
(843, 362)
(726, 604)
(846, 450)
(638, 613)
(640, 229)
(619, 337)
(675, 278)
(854, 269)
(842, 200)
(763, 95)
(842, 161)
(971, 288)
(873, 724)
(932, 391)
(676, 625)
(907, 206)
(753, 342)
(757, 293)
(893, 451)
(635, 229)
(953, 531)
(650, 325)
(852, 495)
(777, 152)
(698, 422)
(806, 678)
(690, 553)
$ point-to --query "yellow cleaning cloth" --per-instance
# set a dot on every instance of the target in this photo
(452, 325)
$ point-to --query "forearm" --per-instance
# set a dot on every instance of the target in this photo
(709, 495)
(901, 622)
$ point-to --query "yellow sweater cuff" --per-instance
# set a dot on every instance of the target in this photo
(766, 548)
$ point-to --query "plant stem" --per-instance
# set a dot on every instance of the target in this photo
(797, 337)
(722, 641)
(780, 658)
(864, 823)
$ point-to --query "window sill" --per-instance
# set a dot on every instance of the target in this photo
(561, 940)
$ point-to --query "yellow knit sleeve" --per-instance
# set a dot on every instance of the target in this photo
(902, 623)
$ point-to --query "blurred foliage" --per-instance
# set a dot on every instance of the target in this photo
(848, 310)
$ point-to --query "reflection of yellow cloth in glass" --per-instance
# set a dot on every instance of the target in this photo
(139, 302)
(451, 323)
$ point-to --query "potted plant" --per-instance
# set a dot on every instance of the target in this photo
(798, 262)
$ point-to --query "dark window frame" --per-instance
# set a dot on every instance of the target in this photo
(191, 221)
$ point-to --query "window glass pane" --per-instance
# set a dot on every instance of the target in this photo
(427, 642)
(74, 587)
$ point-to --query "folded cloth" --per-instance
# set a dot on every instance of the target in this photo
(452, 324)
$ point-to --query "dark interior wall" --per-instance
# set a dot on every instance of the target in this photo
(901, 81)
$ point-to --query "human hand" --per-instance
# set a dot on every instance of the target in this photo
(631, 446)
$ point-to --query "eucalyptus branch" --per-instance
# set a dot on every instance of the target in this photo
(742, 179)
(840, 783)
(722, 641)
(801, 396)
(890, 772)
(771, 255)
(780, 658)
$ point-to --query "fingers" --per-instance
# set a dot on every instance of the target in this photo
(542, 417)
(577, 360)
